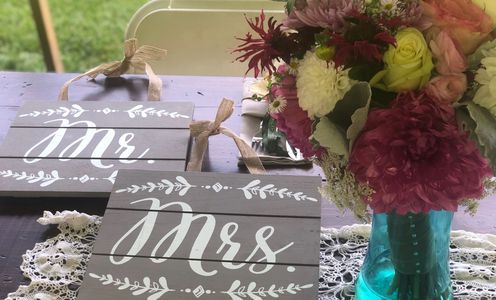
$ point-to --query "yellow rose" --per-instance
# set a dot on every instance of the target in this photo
(407, 66)
(489, 7)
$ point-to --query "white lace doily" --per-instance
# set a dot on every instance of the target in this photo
(472, 262)
(56, 266)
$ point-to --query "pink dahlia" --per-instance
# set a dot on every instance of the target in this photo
(415, 159)
(292, 120)
(321, 13)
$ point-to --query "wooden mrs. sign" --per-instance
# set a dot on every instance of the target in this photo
(76, 149)
(176, 235)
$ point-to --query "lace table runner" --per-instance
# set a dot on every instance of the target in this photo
(56, 267)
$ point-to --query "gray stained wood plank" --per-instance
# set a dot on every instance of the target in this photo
(160, 244)
(74, 178)
(17, 87)
(220, 193)
(175, 279)
(199, 236)
(107, 114)
(96, 143)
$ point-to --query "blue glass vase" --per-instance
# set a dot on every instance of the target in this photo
(407, 258)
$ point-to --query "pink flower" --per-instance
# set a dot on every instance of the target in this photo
(318, 13)
(463, 20)
(447, 89)
(292, 120)
(449, 57)
(415, 159)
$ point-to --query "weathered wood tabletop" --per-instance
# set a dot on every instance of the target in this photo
(18, 228)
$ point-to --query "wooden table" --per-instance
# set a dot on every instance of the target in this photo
(18, 228)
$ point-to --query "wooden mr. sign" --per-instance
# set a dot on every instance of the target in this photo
(76, 149)
(176, 235)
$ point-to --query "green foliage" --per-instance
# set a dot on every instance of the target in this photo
(485, 131)
(271, 137)
(382, 99)
(475, 59)
(19, 46)
(481, 126)
(293, 4)
(365, 71)
(89, 32)
(331, 137)
(360, 96)
(342, 188)
(323, 38)
(339, 129)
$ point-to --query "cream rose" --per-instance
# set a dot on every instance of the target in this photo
(407, 66)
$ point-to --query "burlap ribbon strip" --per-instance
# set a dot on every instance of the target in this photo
(133, 58)
(201, 130)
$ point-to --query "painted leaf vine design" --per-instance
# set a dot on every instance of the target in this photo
(138, 111)
(156, 290)
(75, 111)
(250, 291)
(45, 179)
(254, 188)
(112, 177)
(181, 186)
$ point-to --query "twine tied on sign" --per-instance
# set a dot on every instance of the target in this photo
(202, 130)
(134, 57)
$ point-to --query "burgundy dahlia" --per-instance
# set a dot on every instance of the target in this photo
(415, 159)
(292, 120)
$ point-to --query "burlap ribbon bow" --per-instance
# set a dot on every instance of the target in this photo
(201, 130)
(133, 58)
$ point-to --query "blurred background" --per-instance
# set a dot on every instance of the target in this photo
(89, 32)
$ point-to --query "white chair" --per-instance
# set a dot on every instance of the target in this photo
(199, 35)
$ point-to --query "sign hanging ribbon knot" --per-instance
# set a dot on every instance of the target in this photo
(135, 58)
(202, 130)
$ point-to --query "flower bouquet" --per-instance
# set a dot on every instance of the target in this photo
(396, 101)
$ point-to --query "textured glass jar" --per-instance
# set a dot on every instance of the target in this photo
(407, 258)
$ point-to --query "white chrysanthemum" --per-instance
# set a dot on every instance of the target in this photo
(293, 66)
(486, 77)
(390, 6)
(320, 85)
(277, 105)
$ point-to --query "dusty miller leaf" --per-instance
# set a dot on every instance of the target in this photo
(359, 94)
(481, 125)
(330, 136)
(350, 113)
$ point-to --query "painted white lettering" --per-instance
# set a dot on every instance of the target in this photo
(147, 223)
(226, 238)
(172, 240)
(49, 145)
(128, 150)
(270, 256)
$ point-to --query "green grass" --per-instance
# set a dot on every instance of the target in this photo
(89, 32)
